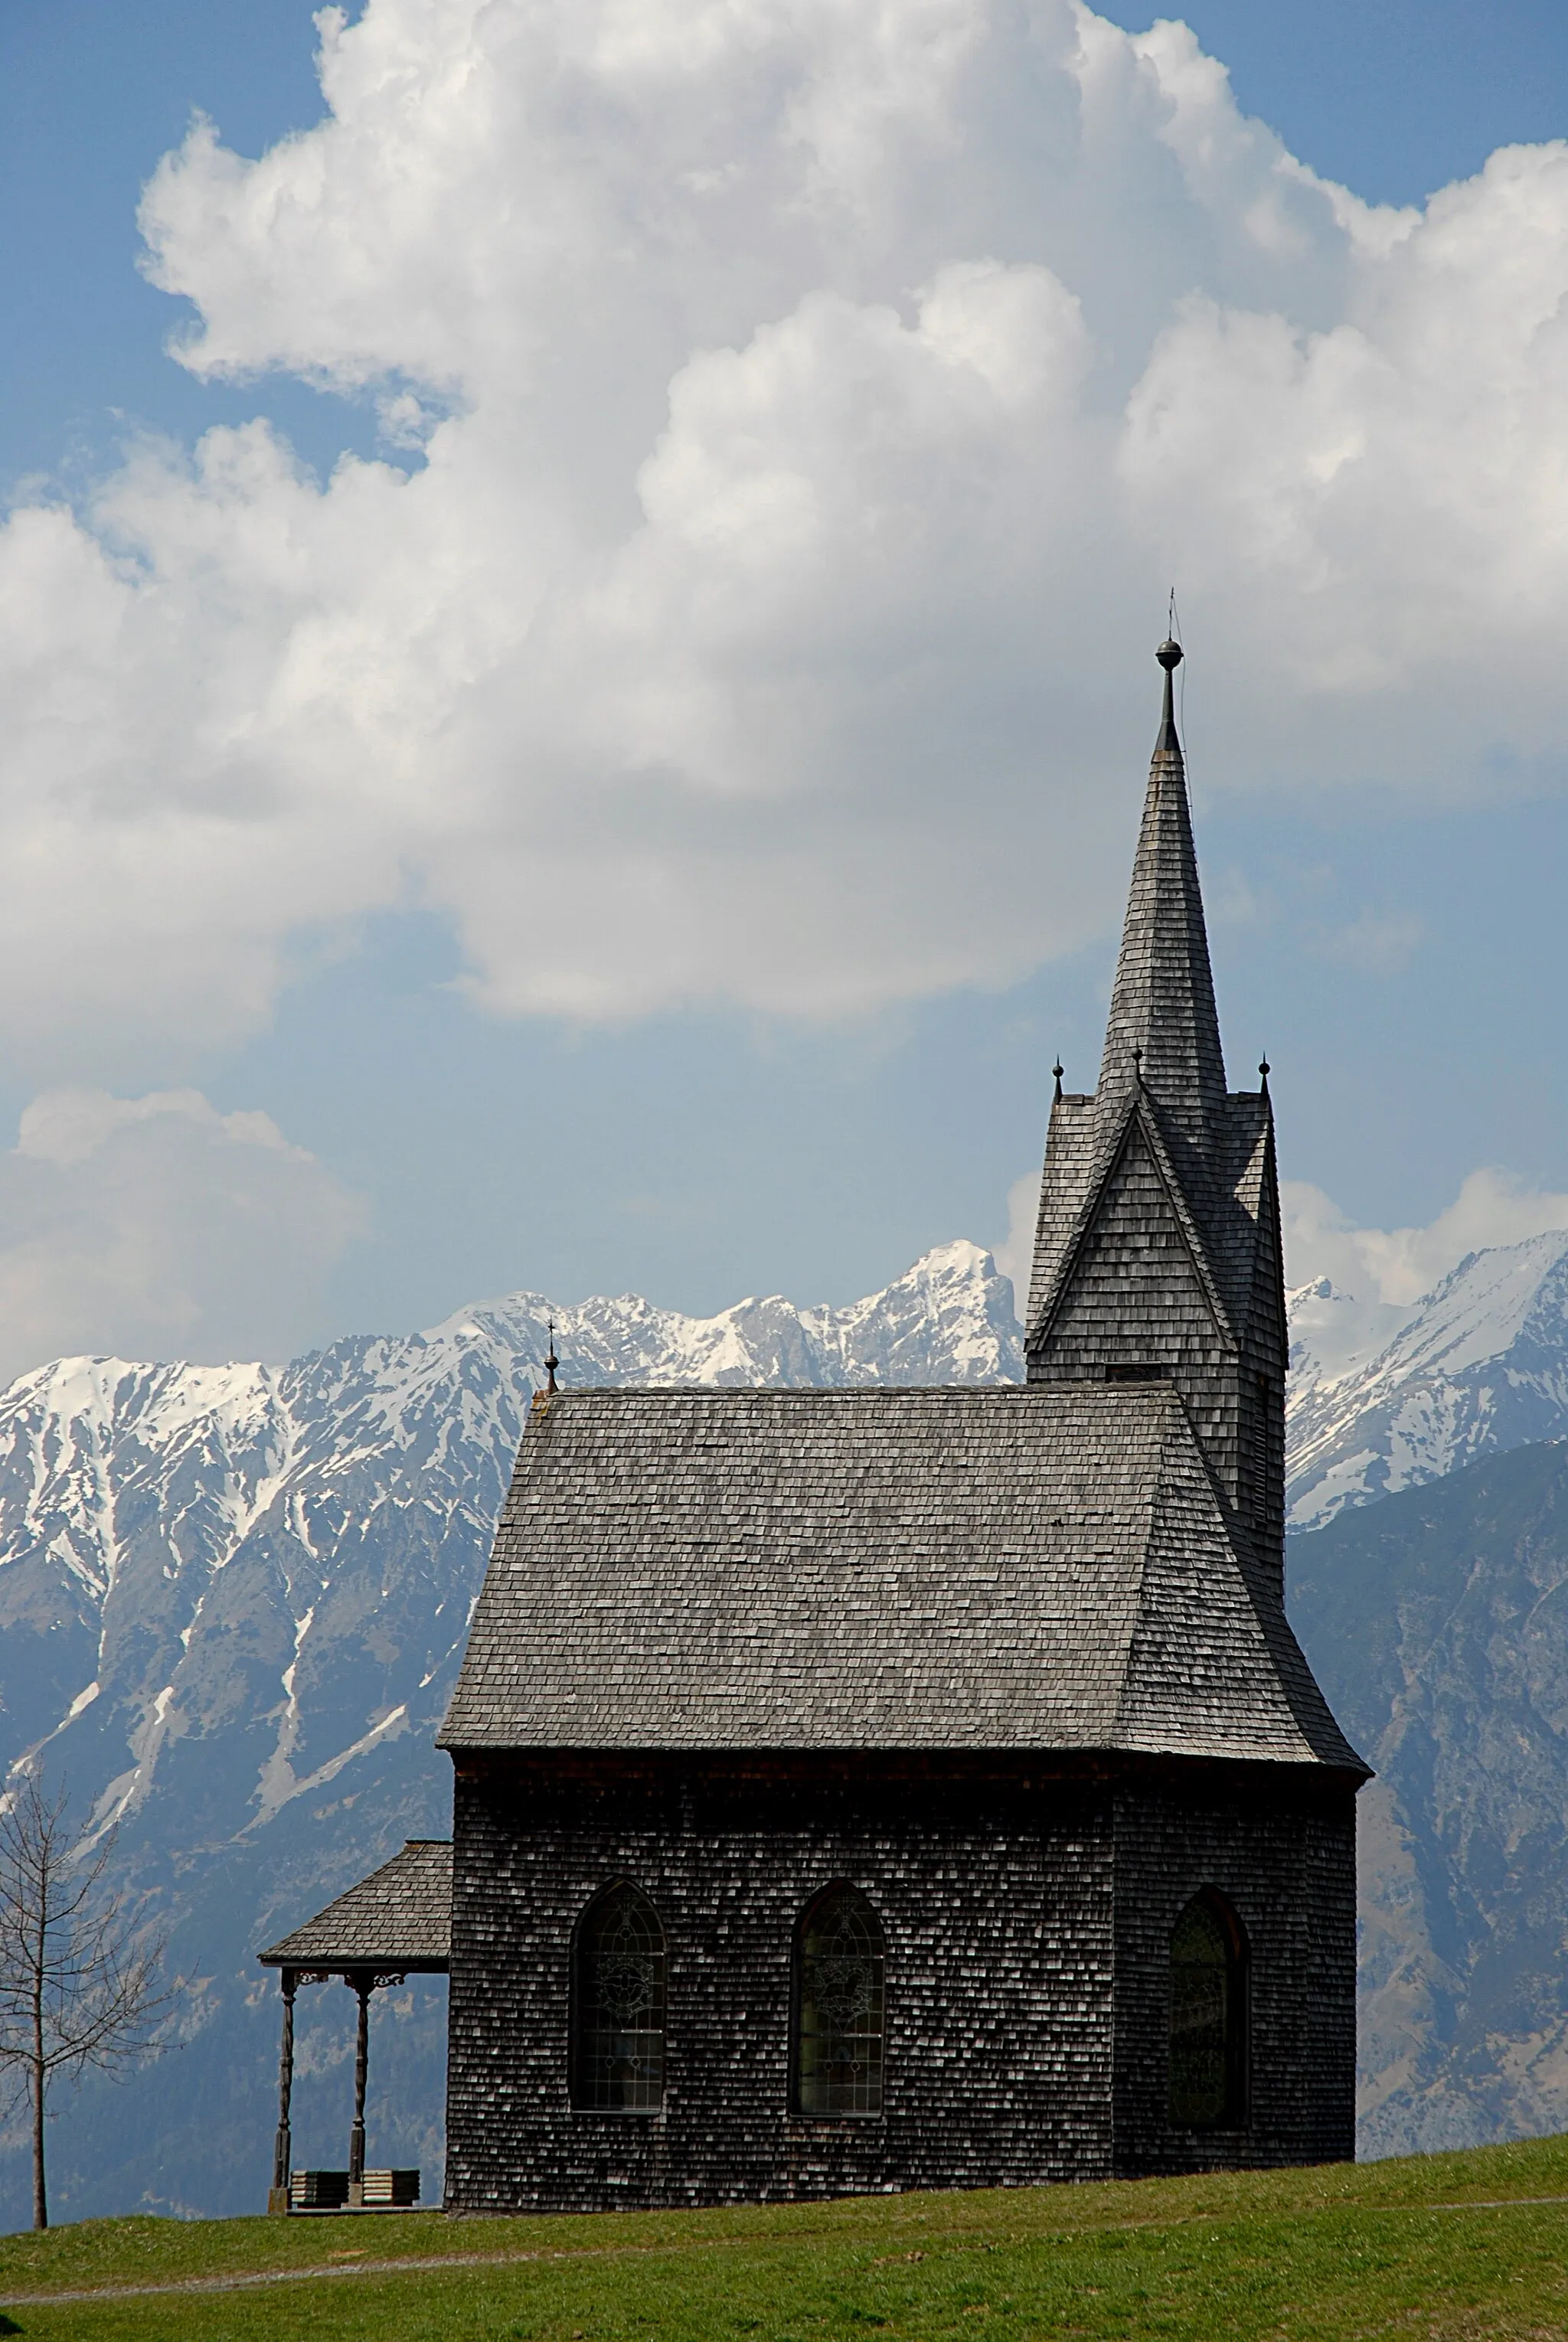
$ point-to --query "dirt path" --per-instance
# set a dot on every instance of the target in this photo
(240, 2280)
(245, 2280)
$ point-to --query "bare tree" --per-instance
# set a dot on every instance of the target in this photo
(79, 1979)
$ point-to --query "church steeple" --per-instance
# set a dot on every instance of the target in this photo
(1162, 1027)
(1157, 1252)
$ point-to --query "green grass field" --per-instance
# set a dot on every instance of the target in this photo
(1436, 2247)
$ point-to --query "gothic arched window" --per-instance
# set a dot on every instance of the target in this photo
(1208, 2071)
(840, 1966)
(618, 2003)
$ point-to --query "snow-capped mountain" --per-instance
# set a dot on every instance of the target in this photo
(1480, 1364)
(233, 1602)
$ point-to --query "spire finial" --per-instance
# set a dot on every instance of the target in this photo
(1264, 1072)
(1170, 657)
(551, 1361)
(1137, 1065)
(1057, 1070)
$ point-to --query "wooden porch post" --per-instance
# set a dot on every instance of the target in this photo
(364, 1985)
(277, 2197)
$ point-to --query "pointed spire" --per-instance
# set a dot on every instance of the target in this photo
(551, 1361)
(1162, 1033)
(1170, 657)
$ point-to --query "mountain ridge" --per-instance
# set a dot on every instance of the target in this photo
(1479, 1364)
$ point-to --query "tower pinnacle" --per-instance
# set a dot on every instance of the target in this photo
(1163, 1030)
(1170, 657)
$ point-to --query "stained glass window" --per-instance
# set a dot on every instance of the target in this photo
(1208, 2016)
(839, 1997)
(619, 2062)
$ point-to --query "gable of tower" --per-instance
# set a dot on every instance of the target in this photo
(1223, 1201)
(1134, 1289)
(1151, 1255)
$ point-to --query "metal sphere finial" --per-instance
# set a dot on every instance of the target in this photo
(551, 1361)
(1169, 655)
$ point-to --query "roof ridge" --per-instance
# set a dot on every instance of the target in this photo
(783, 1392)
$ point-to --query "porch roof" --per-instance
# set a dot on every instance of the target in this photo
(400, 1916)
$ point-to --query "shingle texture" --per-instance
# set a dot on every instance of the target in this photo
(1285, 1863)
(997, 1569)
(398, 1918)
(1162, 999)
(1028, 1911)
(997, 1909)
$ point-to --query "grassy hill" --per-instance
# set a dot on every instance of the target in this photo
(1470, 2246)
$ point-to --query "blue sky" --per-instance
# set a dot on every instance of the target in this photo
(1384, 882)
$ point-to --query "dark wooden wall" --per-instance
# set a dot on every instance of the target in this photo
(998, 1885)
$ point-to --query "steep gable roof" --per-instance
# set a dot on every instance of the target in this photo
(1219, 1198)
(913, 1569)
(1244, 1674)
(1132, 1139)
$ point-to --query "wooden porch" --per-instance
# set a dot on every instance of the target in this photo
(395, 1924)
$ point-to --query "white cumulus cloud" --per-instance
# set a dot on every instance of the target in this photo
(1398, 1266)
(158, 1227)
(814, 402)
(1357, 1286)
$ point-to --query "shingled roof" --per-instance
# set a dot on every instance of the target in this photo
(913, 1569)
(398, 1918)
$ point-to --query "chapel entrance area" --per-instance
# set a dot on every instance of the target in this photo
(395, 1924)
